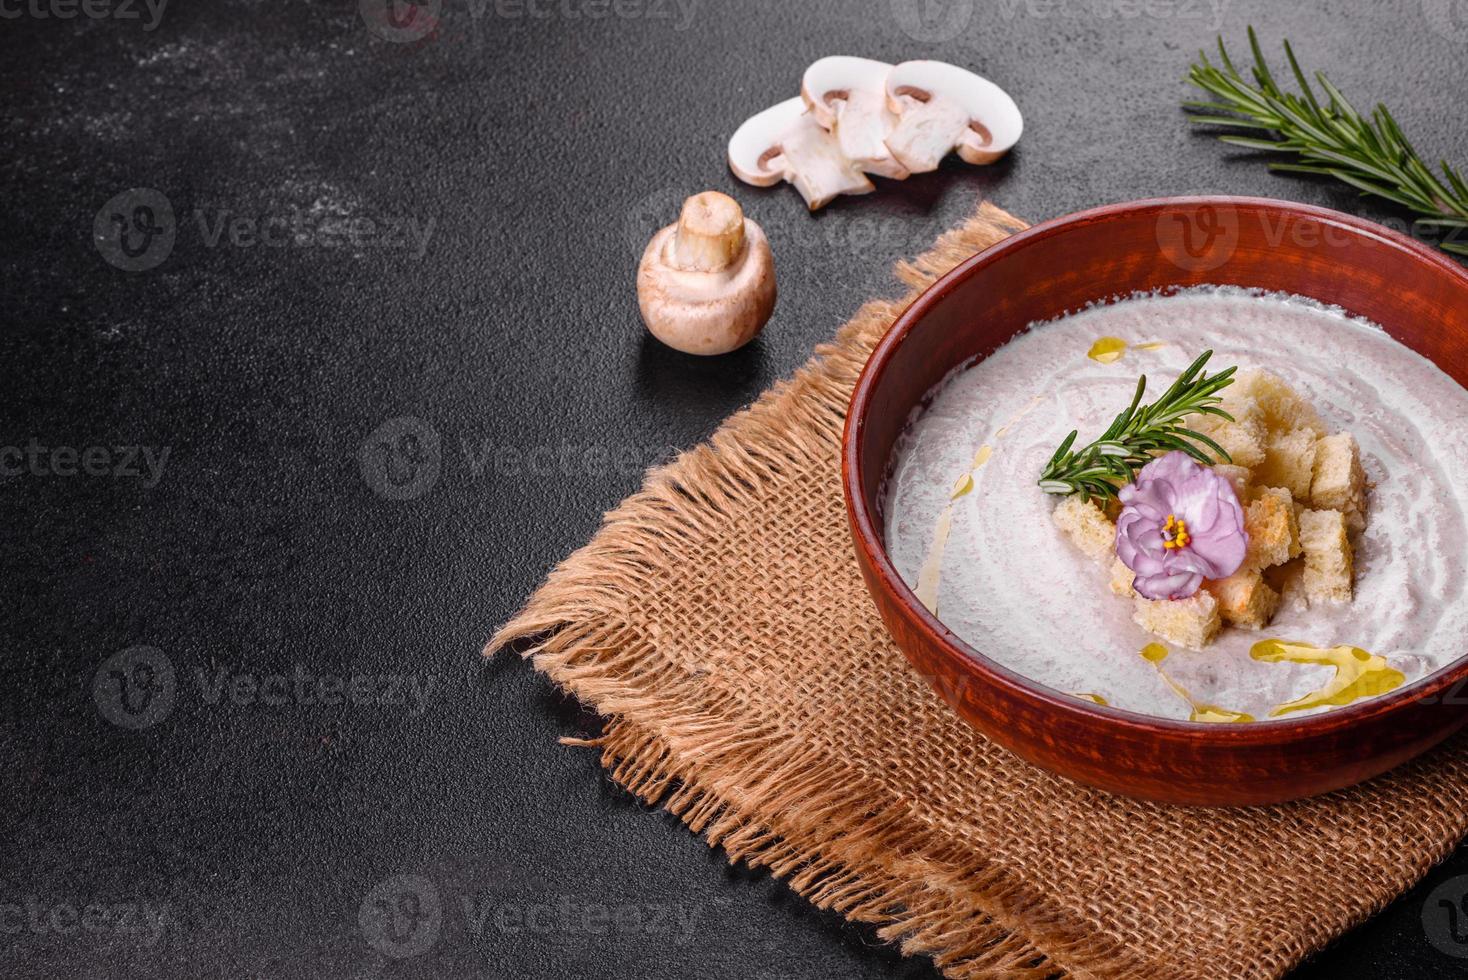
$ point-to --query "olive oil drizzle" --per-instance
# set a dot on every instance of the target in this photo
(927, 587)
(932, 570)
(1155, 654)
(1107, 350)
(1358, 674)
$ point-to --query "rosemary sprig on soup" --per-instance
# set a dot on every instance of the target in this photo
(1139, 434)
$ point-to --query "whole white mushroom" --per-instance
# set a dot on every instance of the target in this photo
(706, 285)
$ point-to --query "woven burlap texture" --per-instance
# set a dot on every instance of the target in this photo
(720, 625)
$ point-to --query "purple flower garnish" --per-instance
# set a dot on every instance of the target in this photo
(1180, 523)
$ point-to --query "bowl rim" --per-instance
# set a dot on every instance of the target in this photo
(862, 517)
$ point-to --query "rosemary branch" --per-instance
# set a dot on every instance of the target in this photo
(1139, 433)
(1327, 139)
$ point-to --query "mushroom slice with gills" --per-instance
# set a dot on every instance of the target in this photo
(848, 96)
(787, 143)
(942, 107)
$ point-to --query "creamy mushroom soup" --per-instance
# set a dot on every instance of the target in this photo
(972, 534)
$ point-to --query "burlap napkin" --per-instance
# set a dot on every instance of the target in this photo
(720, 625)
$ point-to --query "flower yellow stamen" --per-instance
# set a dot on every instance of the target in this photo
(1175, 533)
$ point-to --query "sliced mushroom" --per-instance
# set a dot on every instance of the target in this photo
(848, 96)
(942, 107)
(785, 142)
(706, 285)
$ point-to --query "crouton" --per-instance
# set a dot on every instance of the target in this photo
(1329, 560)
(1237, 476)
(1338, 481)
(1244, 599)
(1243, 438)
(1192, 622)
(1281, 408)
(1087, 526)
(1122, 578)
(1289, 581)
(1289, 462)
(1274, 532)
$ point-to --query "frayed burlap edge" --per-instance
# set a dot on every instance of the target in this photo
(760, 796)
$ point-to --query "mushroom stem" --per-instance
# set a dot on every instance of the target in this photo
(927, 130)
(862, 123)
(818, 168)
(785, 142)
(706, 285)
(942, 108)
(847, 96)
(710, 233)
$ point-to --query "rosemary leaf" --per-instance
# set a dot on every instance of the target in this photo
(1326, 138)
(1099, 469)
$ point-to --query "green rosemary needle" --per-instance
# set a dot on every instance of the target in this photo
(1139, 434)
(1328, 138)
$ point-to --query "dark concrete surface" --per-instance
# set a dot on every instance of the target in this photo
(185, 799)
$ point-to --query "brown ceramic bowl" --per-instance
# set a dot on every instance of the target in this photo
(1419, 296)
